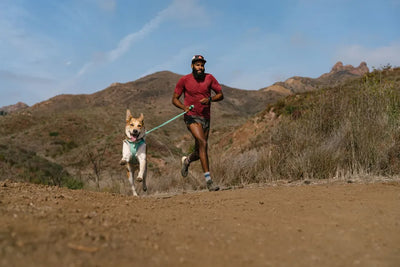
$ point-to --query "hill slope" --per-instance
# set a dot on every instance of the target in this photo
(79, 136)
(12, 108)
(72, 130)
(341, 131)
(338, 74)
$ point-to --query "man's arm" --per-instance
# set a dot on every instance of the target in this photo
(216, 87)
(177, 103)
(218, 97)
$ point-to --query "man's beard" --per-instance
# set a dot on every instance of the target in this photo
(197, 75)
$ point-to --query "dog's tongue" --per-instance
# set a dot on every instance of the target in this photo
(133, 139)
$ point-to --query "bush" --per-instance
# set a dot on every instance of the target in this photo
(346, 130)
(72, 183)
(28, 166)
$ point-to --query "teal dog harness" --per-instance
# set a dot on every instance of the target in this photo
(134, 146)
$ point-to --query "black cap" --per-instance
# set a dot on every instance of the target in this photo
(198, 58)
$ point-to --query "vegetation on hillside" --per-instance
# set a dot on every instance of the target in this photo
(341, 131)
(24, 165)
(83, 133)
(349, 130)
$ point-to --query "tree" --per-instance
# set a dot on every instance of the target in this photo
(96, 158)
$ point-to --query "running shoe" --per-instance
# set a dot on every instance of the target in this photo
(185, 166)
(211, 186)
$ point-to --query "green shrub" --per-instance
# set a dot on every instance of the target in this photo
(72, 183)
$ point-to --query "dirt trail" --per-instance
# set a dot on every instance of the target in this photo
(309, 225)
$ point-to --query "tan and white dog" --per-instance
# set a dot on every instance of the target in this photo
(134, 150)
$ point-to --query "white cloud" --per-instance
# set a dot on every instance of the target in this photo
(85, 68)
(126, 42)
(255, 80)
(375, 57)
(184, 55)
(23, 78)
(178, 9)
(22, 50)
(107, 5)
(16, 86)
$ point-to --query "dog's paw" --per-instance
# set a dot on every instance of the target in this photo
(122, 162)
(139, 179)
(144, 187)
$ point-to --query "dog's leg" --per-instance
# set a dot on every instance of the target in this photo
(144, 181)
(126, 153)
(130, 170)
(141, 156)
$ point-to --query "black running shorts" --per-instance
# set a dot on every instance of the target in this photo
(205, 123)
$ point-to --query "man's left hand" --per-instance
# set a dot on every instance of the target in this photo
(205, 101)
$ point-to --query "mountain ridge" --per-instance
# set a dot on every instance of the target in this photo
(69, 129)
(338, 74)
(295, 84)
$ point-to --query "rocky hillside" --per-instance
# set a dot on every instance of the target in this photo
(71, 139)
(332, 85)
(67, 136)
(13, 108)
(242, 137)
(337, 75)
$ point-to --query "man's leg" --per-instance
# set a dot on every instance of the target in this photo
(200, 152)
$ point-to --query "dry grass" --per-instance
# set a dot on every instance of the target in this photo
(344, 131)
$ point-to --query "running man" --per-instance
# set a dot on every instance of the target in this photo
(196, 88)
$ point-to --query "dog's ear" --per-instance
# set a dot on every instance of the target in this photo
(128, 115)
(141, 118)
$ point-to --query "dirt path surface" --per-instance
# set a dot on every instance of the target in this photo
(309, 225)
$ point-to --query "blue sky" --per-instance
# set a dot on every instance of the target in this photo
(52, 47)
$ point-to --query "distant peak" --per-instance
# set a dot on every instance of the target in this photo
(339, 67)
(114, 84)
(360, 70)
(15, 107)
(362, 64)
